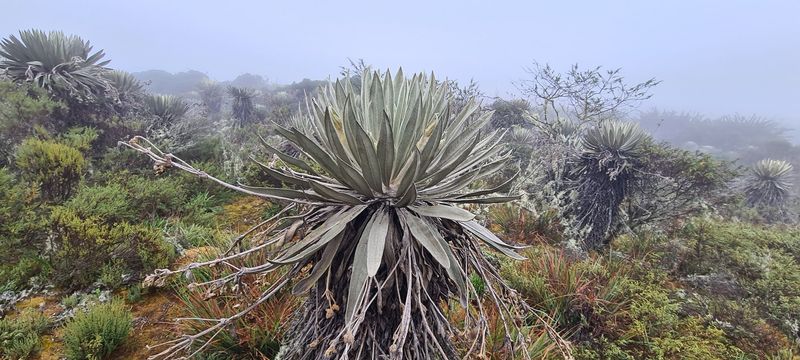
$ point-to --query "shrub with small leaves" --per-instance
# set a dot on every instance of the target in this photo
(96, 333)
(84, 244)
(21, 232)
(80, 138)
(56, 167)
(135, 293)
(155, 197)
(111, 274)
(19, 337)
(71, 301)
(109, 202)
(22, 108)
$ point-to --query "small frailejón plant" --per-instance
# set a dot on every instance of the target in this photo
(605, 169)
(242, 108)
(166, 108)
(380, 242)
(126, 84)
(769, 184)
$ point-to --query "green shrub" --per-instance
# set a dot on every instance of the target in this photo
(613, 309)
(22, 228)
(657, 329)
(677, 183)
(116, 158)
(56, 167)
(96, 333)
(108, 202)
(17, 274)
(193, 184)
(200, 209)
(79, 138)
(83, 245)
(22, 107)
(111, 274)
(478, 284)
(134, 293)
(19, 337)
(756, 267)
(71, 301)
(151, 198)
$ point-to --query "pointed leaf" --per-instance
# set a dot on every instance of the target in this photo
(426, 235)
(286, 158)
(280, 176)
(341, 218)
(320, 268)
(334, 195)
(408, 198)
(386, 150)
(487, 200)
(284, 194)
(443, 211)
(358, 279)
(376, 233)
(491, 239)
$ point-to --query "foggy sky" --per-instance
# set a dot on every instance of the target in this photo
(714, 57)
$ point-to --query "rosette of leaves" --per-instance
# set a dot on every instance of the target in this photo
(605, 170)
(242, 108)
(65, 66)
(380, 240)
(166, 108)
(769, 183)
(124, 83)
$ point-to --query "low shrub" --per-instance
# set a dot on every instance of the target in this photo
(200, 209)
(19, 337)
(79, 138)
(112, 274)
(611, 308)
(56, 167)
(22, 230)
(22, 107)
(748, 276)
(96, 333)
(160, 197)
(195, 185)
(71, 301)
(83, 245)
(134, 293)
(108, 202)
(16, 275)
